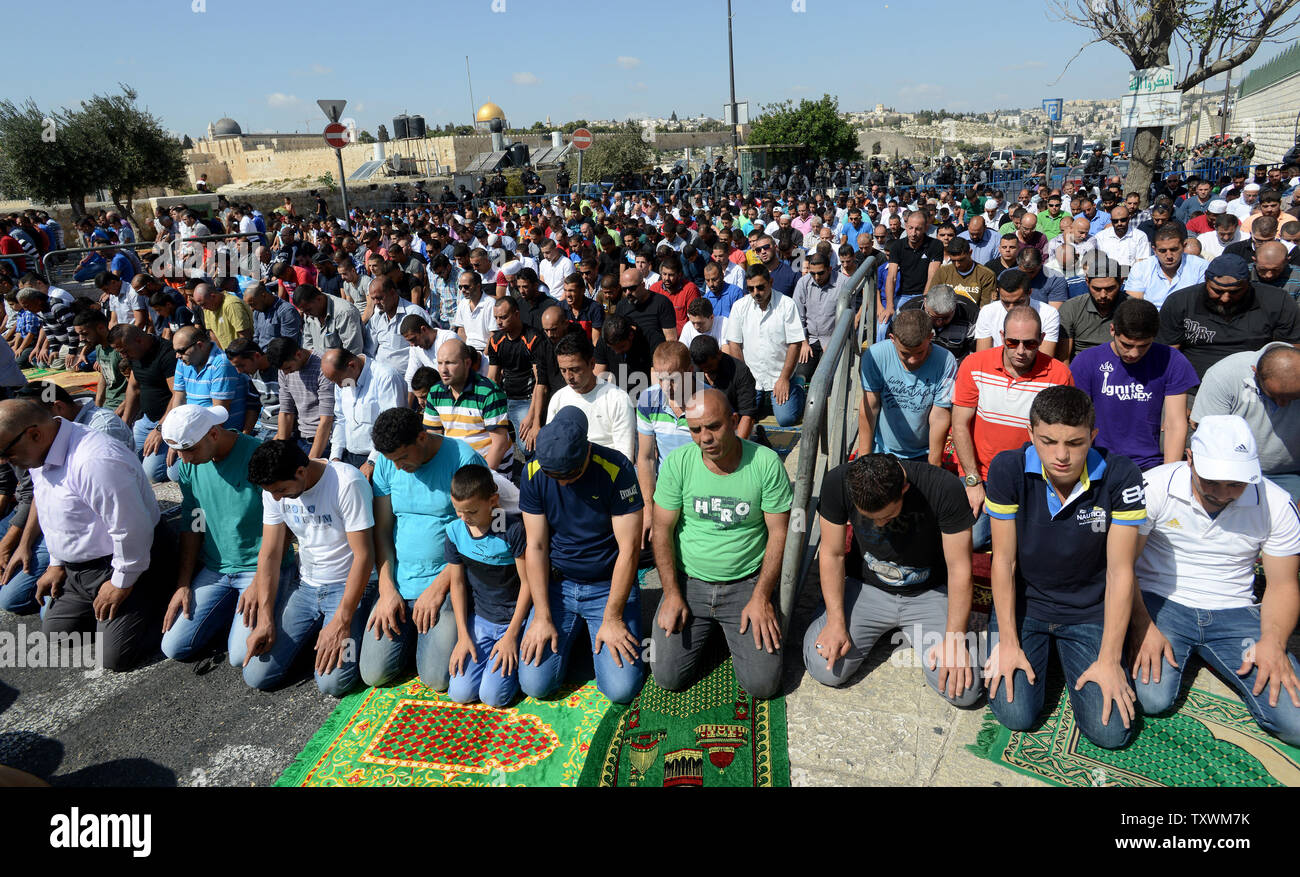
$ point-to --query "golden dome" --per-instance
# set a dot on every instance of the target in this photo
(488, 112)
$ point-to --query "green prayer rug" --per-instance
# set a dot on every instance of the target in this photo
(410, 735)
(1209, 741)
(712, 734)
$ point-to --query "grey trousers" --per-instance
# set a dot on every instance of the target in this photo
(870, 613)
(676, 658)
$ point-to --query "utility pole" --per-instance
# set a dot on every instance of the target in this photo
(473, 111)
(731, 64)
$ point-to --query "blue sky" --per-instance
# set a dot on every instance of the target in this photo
(265, 63)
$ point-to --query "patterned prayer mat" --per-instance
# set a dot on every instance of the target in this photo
(712, 734)
(72, 381)
(1210, 741)
(410, 735)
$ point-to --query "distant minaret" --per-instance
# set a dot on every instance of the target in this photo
(211, 131)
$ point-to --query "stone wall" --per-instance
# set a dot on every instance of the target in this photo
(1270, 116)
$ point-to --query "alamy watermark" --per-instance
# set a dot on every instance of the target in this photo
(24, 648)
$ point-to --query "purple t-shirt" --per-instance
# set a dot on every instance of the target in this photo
(1130, 398)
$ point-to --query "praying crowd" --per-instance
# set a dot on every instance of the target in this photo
(448, 437)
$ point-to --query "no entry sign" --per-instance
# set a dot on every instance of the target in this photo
(582, 139)
(336, 135)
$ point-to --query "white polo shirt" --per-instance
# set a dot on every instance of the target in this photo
(765, 335)
(1206, 563)
(993, 316)
(478, 322)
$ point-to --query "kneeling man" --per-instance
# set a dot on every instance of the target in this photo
(721, 511)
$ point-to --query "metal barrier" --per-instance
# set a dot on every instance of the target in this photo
(180, 256)
(828, 428)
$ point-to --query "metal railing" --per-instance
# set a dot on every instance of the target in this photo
(829, 427)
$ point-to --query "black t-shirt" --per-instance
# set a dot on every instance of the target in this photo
(521, 361)
(1205, 337)
(531, 312)
(914, 265)
(737, 382)
(631, 370)
(906, 557)
(958, 336)
(151, 373)
(651, 316)
(995, 265)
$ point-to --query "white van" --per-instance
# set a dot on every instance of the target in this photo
(1002, 158)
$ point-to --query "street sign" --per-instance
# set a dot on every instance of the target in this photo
(1151, 110)
(332, 108)
(336, 135)
(741, 115)
(582, 139)
(1053, 106)
(1150, 79)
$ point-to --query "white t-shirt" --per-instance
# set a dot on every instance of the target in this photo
(420, 358)
(1209, 563)
(718, 331)
(340, 503)
(993, 315)
(478, 322)
(611, 417)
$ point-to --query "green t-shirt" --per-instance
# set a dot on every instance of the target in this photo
(231, 509)
(721, 533)
(110, 366)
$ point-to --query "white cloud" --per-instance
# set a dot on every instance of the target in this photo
(279, 99)
(524, 79)
(627, 62)
(321, 69)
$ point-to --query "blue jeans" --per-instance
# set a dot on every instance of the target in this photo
(215, 597)
(516, 412)
(571, 603)
(1218, 637)
(300, 613)
(155, 465)
(882, 329)
(1077, 647)
(982, 532)
(789, 412)
(18, 595)
(479, 681)
(384, 660)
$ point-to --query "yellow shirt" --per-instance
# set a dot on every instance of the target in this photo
(234, 317)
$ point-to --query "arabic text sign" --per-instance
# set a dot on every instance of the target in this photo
(1150, 79)
(1151, 110)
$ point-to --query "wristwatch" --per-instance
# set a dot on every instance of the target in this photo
(971, 480)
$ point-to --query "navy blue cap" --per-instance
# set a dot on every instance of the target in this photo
(1228, 267)
(562, 444)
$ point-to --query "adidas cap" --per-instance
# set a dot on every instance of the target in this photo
(1223, 449)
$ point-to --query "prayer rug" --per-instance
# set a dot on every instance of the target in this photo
(410, 735)
(712, 734)
(1210, 741)
(72, 381)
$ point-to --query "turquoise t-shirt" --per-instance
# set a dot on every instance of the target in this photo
(422, 508)
(218, 500)
(721, 533)
(906, 397)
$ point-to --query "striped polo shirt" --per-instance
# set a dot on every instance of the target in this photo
(654, 417)
(480, 409)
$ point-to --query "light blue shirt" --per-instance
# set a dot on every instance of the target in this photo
(1148, 278)
(984, 250)
(906, 397)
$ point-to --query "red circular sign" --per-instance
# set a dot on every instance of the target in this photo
(336, 135)
(582, 139)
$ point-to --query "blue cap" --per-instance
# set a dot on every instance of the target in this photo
(562, 444)
(1228, 267)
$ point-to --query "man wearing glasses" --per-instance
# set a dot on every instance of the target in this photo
(1050, 220)
(764, 331)
(990, 403)
(782, 275)
(100, 520)
(474, 321)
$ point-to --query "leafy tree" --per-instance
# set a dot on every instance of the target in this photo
(610, 156)
(367, 137)
(816, 125)
(186, 142)
(137, 152)
(1212, 37)
(47, 157)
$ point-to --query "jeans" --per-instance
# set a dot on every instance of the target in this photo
(789, 412)
(676, 657)
(18, 595)
(870, 612)
(384, 660)
(1077, 647)
(1289, 481)
(479, 681)
(1218, 637)
(982, 532)
(155, 465)
(300, 613)
(215, 598)
(882, 329)
(573, 602)
(517, 412)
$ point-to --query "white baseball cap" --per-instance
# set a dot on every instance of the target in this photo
(1223, 449)
(186, 425)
